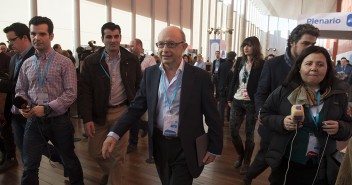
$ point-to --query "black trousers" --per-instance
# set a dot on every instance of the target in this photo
(8, 144)
(259, 164)
(170, 160)
(297, 174)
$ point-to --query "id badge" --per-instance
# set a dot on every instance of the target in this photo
(245, 93)
(43, 98)
(313, 146)
(170, 125)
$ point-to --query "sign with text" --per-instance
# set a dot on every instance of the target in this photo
(339, 21)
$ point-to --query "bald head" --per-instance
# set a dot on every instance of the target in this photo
(136, 46)
(175, 30)
(171, 45)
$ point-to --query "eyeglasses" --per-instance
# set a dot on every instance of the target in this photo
(12, 40)
(168, 44)
(245, 76)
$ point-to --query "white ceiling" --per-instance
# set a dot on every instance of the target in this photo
(293, 8)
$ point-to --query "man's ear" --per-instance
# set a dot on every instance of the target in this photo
(51, 37)
(185, 45)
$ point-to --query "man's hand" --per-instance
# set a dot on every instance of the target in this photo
(38, 111)
(229, 103)
(89, 128)
(26, 112)
(108, 146)
(209, 158)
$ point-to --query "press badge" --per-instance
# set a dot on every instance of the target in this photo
(245, 93)
(43, 98)
(170, 125)
(313, 146)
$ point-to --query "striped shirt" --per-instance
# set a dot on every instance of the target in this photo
(60, 81)
(117, 90)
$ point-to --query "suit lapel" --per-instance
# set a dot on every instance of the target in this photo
(12, 67)
(187, 83)
(154, 87)
(29, 54)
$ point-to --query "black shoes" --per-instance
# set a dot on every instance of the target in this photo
(144, 133)
(104, 180)
(150, 160)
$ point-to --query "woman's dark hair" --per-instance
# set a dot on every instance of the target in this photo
(295, 77)
(257, 49)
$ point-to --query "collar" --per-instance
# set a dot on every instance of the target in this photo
(108, 58)
(288, 57)
(24, 53)
(180, 67)
(44, 56)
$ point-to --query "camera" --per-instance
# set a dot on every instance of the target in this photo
(83, 52)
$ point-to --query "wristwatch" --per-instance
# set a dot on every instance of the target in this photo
(47, 110)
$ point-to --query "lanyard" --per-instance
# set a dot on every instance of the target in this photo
(18, 61)
(42, 80)
(112, 66)
(316, 118)
(245, 69)
(166, 100)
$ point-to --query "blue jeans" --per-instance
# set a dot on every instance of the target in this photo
(60, 132)
(18, 123)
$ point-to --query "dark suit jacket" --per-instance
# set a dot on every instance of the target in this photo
(223, 73)
(274, 73)
(8, 86)
(213, 69)
(197, 99)
(4, 62)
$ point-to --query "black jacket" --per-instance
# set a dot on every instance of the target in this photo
(252, 83)
(213, 69)
(273, 74)
(8, 86)
(224, 70)
(94, 85)
(277, 107)
(196, 100)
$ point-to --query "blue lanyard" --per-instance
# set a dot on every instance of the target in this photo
(166, 100)
(245, 68)
(42, 80)
(18, 61)
(113, 65)
(316, 118)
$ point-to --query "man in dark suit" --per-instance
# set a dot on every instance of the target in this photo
(224, 71)
(18, 35)
(215, 72)
(177, 95)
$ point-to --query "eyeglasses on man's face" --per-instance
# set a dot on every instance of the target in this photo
(168, 44)
(12, 40)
